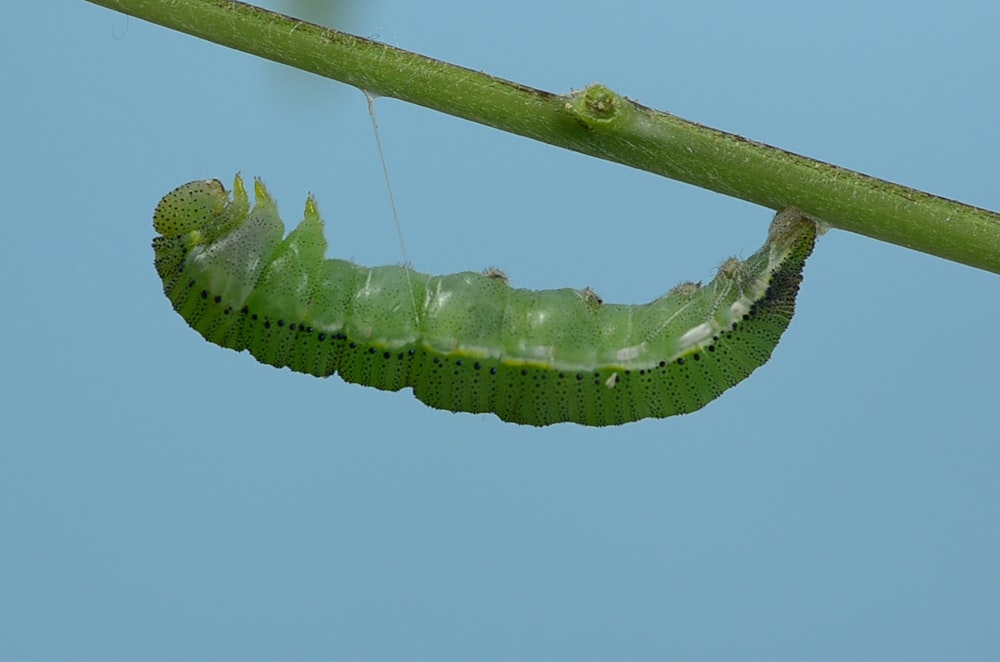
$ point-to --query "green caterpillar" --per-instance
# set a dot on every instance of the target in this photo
(468, 341)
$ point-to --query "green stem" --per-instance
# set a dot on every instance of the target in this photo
(600, 123)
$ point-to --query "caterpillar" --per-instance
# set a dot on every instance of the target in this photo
(468, 341)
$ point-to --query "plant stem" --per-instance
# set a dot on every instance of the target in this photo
(598, 122)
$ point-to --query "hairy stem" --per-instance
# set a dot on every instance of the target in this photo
(599, 122)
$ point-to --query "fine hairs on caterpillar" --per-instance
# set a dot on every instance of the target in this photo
(469, 341)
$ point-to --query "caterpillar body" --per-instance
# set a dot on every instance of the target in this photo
(468, 341)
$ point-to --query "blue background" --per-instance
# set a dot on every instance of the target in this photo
(161, 497)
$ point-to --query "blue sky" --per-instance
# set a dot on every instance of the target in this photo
(163, 498)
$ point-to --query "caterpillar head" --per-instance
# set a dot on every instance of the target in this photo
(202, 209)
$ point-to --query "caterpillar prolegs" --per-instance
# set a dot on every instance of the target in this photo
(468, 341)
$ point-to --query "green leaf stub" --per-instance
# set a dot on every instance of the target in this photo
(596, 107)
